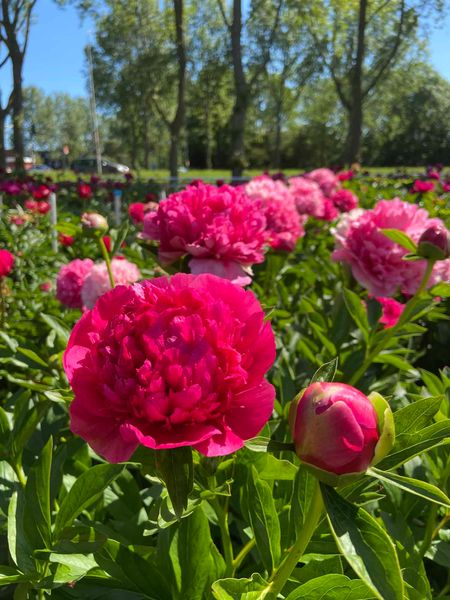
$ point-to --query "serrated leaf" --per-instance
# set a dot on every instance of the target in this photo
(365, 545)
(86, 490)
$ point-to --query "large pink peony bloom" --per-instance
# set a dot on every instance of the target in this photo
(344, 200)
(308, 197)
(377, 262)
(70, 281)
(168, 363)
(326, 179)
(97, 282)
(206, 222)
(283, 221)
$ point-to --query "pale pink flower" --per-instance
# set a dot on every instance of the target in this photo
(284, 223)
(97, 281)
(308, 197)
(326, 179)
(376, 261)
(70, 281)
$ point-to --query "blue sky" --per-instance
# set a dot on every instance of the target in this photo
(55, 58)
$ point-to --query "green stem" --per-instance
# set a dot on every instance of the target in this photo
(243, 553)
(2, 305)
(404, 318)
(227, 546)
(107, 260)
(431, 531)
(280, 575)
(18, 470)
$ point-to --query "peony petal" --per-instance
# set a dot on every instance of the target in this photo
(250, 410)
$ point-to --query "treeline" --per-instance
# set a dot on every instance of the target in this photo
(263, 83)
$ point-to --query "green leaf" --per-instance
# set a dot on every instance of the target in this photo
(10, 575)
(441, 289)
(302, 495)
(413, 486)
(265, 444)
(411, 444)
(34, 361)
(239, 589)
(357, 311)
(332, 587)
(365, 545)
(57, 325)
(439, 552)
(326, 372)
(19, 547)
(132, 570)
(434, 384)
(264, 520)
(400, 238)
(37, 517)
(120, 237)
(177, 471)
(271, 468)
(417, 415)
(86, 490)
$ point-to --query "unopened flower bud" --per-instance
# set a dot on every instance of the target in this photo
(434, 243)
(94, 222)
(339, 432)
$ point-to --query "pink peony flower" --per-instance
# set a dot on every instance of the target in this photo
(421, 187)
(168, 363)
(96, 282)
(137, 210)
(283, 221)
(433, 175)
(206, 222)
(84, 191)
(446, 187)
(31, 205)
(11, 188)
(391, 311)
(345, 175)
(66, 240)
(6, 262)
(46, 286)
(40, 192)
(326, 179)
(334, 427)
(308, 197)
(330, 212)
(377, 262)
(70, 281)
(344, 200)
(18, 220)
(43, 207)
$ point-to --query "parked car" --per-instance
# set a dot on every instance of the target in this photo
(89, 165)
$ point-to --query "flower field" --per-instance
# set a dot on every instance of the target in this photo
(225, 391)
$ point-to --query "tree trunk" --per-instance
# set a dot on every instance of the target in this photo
(208, 134)
(17, 110)
(2, 141)
(239, 115)
(355, 119)
(178, 121)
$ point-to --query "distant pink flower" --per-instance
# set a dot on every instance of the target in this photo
(308, 197)
(446, 187)
(6, 262)
(207, 222)
(31, 205)
(11, 188)
(345, 175)
(96, 282)
(18, 220)
(377, 262)
(283, 221)
(330, 212)
(391, 311)
(84, 191)
(40, 192)
(46, 286)
(43, 207)
(168, 363)
(137, 210)
(344, 200)
(326, 179)
(433, 175)
(421, 187)
(70, 281)
(66, 240)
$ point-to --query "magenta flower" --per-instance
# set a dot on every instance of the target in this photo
(344, 200)
(96, 282)
(391, 311)
(70, 281)
(284, 223)
(209, 223)
(168, 363)
(336, 428)
(6, 262)
(421, 187)
(376, 261)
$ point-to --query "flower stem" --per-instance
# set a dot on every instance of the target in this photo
(404, 318)
(431, 530)
(227, 546)
(281, 574)
(107, 260)
(243, 553)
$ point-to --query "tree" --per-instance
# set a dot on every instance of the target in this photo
(5, 110)
(262, 26)
(14, 33)
(359, 42)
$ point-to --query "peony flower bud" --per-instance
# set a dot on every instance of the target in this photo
(94, 222)
(434, 243)
(339, 432)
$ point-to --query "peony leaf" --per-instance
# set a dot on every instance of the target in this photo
(357, 311)
(326, 372)
(332, 587)
(400, 238)
(413, 486)
(365, 545)
(239, 589)
(176, 469)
